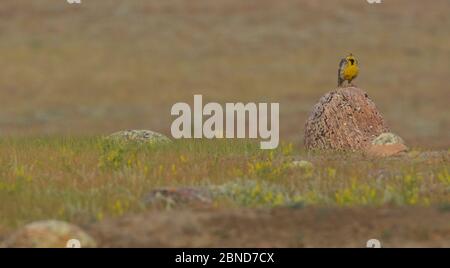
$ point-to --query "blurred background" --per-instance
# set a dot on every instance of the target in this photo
(101, 66)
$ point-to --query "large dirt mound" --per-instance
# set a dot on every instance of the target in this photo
(344, 119)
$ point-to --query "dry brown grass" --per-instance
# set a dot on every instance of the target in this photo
(108, 65)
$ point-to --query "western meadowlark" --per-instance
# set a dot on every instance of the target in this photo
(348, 70)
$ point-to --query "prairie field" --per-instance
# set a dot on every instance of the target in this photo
(95, 182)
(72, 74)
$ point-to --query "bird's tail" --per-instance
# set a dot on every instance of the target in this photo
(340, 80)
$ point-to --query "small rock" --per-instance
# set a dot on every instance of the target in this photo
(386, 144)
(146, 136)
(48, 234)
(388, 138)
(302, 164)
(170, 197)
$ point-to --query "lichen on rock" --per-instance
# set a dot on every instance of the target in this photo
(386, 144)
(388, 138)
(48, 234)
(145, 136)
(176, 197)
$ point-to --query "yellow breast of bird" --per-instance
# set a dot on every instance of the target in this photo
(350, 72)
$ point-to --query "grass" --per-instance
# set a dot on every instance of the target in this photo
(104, 66)
(84, 180)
